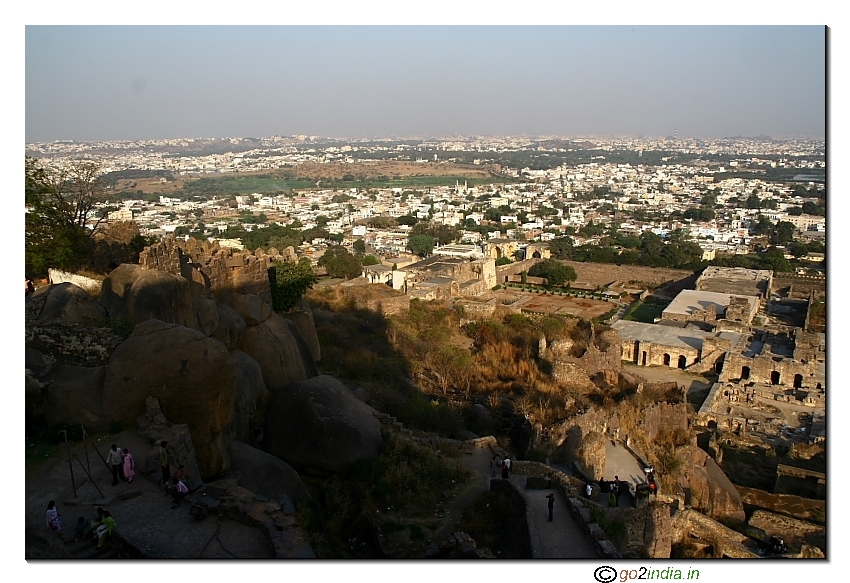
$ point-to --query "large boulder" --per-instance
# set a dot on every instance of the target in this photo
(193, 377)
(70, 304)
(317, 425)
(231, 326)
(74, 396)
(207, 312)
(707, 488)
(277, 347)
(131, 291)
(250, 389)
(252, 308)
(265, 474)
(302, 317)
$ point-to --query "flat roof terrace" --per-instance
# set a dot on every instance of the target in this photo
(669, 335)
(689, 301)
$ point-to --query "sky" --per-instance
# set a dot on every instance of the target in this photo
(91, 83)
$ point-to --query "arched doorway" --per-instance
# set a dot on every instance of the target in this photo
(666, 359)
(819, 387)
(536, 255)
(637, 352)
(745, 373)
(643, 360)
(774, 377)
(498, 252)
(798, 381)
(683, 361)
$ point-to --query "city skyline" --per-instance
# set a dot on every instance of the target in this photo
(134, 83)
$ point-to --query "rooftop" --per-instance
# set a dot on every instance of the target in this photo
(669, 335)
(689, 301)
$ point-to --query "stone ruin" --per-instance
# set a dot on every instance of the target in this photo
(215, 272)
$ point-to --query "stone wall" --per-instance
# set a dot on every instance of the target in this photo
(761, 369)
(504, 272)
(602, 274)
(801, 286)
(789, 504)
(646, 353)
(87, 283)
(690, 524)
(795, 532)
(215, 271)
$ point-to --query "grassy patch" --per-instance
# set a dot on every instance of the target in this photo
(645, 311)
(484, 517)
(405, 483)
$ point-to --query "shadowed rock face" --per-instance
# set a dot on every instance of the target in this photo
(277, 347)
(302, 317)
(250, 389)
(317, 425)
(230, 327)
(131, 291)
(70, 304)
(711, 492)
(74, 396)
(265, 474)
(193, 377)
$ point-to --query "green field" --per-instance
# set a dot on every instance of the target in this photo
(642, 311)
(243, 185)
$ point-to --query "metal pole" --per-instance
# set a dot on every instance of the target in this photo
(89, 475)
(86, 449)
(70, 465)
(103, 459)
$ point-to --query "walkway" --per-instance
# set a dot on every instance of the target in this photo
(562, 538)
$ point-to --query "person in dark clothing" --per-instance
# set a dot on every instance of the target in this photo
(115, 460)
(504, 472)
(162, 458)
(551, 498)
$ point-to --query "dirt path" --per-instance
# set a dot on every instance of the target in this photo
(477, 460)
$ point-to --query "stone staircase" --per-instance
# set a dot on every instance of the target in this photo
(87, 549)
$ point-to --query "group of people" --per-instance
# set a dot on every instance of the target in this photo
(97, 529)
(174, 486)
(504, 464)
(121, 463)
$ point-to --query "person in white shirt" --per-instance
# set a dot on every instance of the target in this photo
(115, 459)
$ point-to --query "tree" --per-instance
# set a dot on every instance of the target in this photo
(359, 247)
(370, 260)
(503, 261)
(555, 272)
(753, 201)
(59, 206)
(289, 282)
(421, 245)
(340, 263)
(783, 233)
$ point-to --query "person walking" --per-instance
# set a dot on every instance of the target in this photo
(507, 463)
(115, 461)
(129, 466)
(588, 490)
(494, 463)
(551, 498)
(162, 456)
(52, 517)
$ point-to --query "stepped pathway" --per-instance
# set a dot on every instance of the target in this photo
(87, 549)
(563, 538)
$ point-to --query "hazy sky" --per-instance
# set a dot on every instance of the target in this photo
(122, 82)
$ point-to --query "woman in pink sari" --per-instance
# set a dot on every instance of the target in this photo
(129, 466)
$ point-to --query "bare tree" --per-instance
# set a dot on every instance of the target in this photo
(77, 189)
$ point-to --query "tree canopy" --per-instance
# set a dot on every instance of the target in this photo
(340, 263)
(422, 245)
(555, 272)
(59, 206)
(289, 282)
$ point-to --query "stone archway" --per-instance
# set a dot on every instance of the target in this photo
(798, 381)
(745, 373)
(775, 377)
(666, 359)
(535, 255)
(683, 361)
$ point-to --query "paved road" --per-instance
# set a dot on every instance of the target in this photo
(562, 538)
